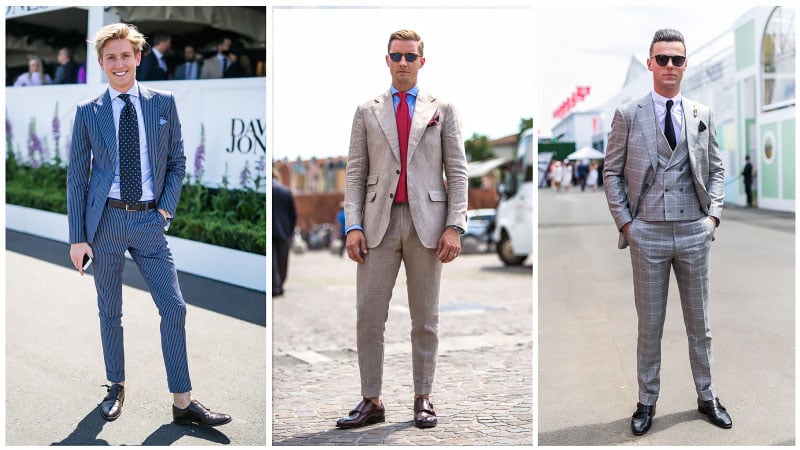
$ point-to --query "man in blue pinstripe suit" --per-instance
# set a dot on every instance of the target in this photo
(112, 210)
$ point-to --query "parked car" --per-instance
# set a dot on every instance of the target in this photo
(480, 224)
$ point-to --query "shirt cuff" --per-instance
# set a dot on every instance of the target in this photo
(355, 226)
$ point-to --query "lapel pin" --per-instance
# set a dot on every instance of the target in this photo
(694, 111)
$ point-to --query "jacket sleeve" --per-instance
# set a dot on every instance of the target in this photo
(80, 158)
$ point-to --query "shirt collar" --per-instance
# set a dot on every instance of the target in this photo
(158, 54)
(413, 91)
(133, 91)
(661, 101)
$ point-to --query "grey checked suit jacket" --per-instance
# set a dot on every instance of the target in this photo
(94, 154)
(373, 168)
(631, 158)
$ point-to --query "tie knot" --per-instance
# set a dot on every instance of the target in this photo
(125, 98)
(669, 104)
(400, 94)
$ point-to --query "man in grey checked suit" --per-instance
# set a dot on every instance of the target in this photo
(103, 226)
(398, 209)
(663, 179)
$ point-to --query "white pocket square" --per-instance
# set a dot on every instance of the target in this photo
(162, 121)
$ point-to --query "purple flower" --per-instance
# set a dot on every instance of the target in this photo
(34, 145)
(244, 177)
(200, 155)
(9, 134)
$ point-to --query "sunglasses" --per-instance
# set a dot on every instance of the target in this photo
(410, 57)
(662, 60)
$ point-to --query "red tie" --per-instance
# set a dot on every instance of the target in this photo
(403, 118)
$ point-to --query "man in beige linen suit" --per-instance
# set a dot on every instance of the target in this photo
(663, 178)
(397, 208)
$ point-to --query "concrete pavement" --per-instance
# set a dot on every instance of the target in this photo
(587, 388)
(54, 363)
(483, 388)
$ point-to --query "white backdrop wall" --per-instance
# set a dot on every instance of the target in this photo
(230, 113)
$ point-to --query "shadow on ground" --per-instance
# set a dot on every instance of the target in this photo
(233, 301)
(370, 435)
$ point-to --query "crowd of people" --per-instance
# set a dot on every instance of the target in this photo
(562, 175)
(229, 61)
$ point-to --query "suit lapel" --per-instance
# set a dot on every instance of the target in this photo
(384, 112)
(105, 120)
(149, 103)
(646, 117)
(424, 109)
(691, 119)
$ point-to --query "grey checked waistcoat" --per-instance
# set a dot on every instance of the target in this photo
(672, 195)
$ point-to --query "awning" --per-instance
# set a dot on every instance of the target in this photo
(237, 19)
(480, 168)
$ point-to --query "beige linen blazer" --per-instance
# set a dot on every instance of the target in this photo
(435, 146)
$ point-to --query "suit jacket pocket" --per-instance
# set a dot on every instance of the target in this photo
(372, 180)
(371, 196)
(438, 196)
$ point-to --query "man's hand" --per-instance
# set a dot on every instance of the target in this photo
(625, 229)
(76, 252)
(163, 213)
(356, 245)
(449, 245)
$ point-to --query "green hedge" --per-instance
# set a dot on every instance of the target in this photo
(230, 218)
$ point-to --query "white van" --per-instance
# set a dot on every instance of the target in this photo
(513, 230)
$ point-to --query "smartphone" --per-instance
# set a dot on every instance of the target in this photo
(87, 261)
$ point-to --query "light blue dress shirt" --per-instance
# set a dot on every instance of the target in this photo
(147, 174)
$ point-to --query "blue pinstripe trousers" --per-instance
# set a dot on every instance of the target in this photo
(142, 234)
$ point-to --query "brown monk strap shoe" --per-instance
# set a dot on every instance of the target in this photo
(364, 413)
(424, 415)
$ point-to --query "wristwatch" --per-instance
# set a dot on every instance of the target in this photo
(457, 228)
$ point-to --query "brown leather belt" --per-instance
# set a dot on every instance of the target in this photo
(138, 206)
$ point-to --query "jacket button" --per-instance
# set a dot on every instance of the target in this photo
(397, 171)
(391, 195)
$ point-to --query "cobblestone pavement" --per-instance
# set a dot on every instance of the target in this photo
(483, 390)
(587, 332)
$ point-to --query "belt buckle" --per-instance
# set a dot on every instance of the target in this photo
(128, 208)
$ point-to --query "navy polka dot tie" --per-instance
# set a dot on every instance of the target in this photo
(130, 165)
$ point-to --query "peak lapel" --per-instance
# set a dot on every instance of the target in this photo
(383, 108)
(648, 127)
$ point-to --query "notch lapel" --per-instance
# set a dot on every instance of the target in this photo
(105, 121)
(149, 112)
(424, 110)
(384, 112)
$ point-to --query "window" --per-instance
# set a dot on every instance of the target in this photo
(778, 59)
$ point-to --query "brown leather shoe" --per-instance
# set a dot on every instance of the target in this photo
(199, 414)
(111, 406)
(364, 413)
(424, 415)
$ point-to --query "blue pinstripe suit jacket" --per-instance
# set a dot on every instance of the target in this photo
(94, 154)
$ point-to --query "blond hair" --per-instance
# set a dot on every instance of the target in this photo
(118, 31)
(406, 35)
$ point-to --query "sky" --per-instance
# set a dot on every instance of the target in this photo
(589, 45)
(328, 60)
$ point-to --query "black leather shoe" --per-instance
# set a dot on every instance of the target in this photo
(642, 418)
(716, 413)
(364, 413)
(199, 414)
(111, 406)
(424, 415)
